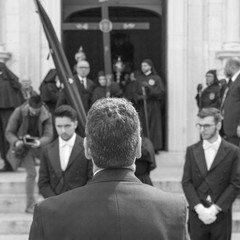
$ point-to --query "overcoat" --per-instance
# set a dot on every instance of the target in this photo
(114, 205)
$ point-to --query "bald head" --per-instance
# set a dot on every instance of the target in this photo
(83, 68)
(232, 66)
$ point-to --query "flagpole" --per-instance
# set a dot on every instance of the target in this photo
(62, 67)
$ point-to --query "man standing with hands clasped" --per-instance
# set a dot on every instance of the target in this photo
(115, 204)
(211, 180)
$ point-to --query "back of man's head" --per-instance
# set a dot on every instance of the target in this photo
(112, 132)
(35, 101)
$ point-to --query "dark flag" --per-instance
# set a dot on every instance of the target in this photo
(62, 67)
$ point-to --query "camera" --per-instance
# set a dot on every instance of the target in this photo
(27, 140)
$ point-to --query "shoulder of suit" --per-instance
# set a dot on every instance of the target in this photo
(230, 145)
(79, 138)
(197, 144)
(52, 144)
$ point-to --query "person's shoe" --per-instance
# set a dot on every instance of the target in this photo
(30, 209)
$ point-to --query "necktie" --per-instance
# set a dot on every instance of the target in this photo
(82, 82)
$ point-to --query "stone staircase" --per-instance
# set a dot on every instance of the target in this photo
(15, 223)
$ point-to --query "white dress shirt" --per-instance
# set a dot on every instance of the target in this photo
(210, 150)
(65, 150)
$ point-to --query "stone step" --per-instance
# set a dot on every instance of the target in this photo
(235, 236)
(15, 223)
(18, 237)
(18, 224)
(14, 203)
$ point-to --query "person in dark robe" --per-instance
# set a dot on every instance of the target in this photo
(102, 90)
(129, 90)
(150, 88)
(146, 162)
(50, 89)
(211, 95)
(10, 98)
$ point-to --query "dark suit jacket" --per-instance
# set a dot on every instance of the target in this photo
(232, 109)
(85, 94)
(52, 180)
(221, 182)
(114, 205)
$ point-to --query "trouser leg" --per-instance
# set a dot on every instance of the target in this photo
(29, 165)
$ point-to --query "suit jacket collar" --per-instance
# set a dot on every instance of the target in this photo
(54, 157)
(236, 82)
(112, 175)
(200, 157)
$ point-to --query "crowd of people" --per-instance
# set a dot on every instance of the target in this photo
(94, 169)
(31, 123)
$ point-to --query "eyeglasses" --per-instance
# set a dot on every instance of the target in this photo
(204, 126)
(83, 67)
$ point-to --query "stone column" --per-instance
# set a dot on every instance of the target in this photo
(4, 55)
(232, 24)
(177, 90)
(231, 46)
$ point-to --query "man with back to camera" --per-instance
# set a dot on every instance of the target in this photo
(211, 180)
(63, 163)
(115, 204)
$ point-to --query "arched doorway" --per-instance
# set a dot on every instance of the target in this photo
(133, 45)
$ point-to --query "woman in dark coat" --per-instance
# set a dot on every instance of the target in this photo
(211, 95)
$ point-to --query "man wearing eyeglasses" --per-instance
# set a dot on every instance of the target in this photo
(211, 180)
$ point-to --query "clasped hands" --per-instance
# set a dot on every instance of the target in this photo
(207, 215)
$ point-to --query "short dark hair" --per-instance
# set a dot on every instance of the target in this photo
(35, 101)
(211, 112)
(112, 131)
(65, 111)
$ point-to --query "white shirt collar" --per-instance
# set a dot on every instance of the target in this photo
(234, 77)
(70, 141)
(82, 78)
(216, 143)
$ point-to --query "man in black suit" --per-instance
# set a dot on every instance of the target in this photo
(211, 180)
(231, 122)
(115, 204)
(84, 84)
(63, 163)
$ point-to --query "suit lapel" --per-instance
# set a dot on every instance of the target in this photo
(77, 148)
(222, 151)
(200, 158)
(54, 158)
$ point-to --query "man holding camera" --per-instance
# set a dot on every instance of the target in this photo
(28, 130)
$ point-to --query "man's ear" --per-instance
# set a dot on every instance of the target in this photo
(219, 125)
(87, 151)
(75, 124)
(139, 148)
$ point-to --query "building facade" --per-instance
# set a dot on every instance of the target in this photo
(188, 37)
